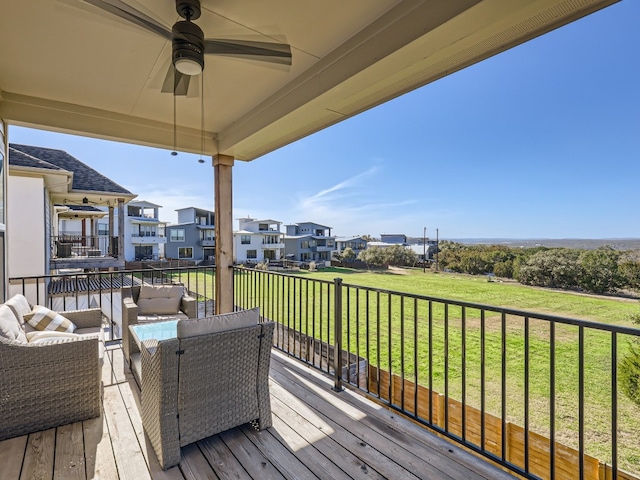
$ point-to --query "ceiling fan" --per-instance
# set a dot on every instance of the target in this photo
(189, 45)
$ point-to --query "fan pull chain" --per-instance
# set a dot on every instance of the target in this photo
(175, 132)
(201, 160)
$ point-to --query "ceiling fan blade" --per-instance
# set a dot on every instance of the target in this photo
(261, 51)
(175, 82)
(127, 12)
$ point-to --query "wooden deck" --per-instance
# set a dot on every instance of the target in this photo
(316, 433)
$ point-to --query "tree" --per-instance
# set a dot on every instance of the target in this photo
(629, 368)
(348, 255)
(600, 270)
(372, 256)
(368, 238)
(396, 255)
(556, 267)
(629, 269)
(449, 255)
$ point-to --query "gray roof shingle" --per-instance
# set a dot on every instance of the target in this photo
(85, 178)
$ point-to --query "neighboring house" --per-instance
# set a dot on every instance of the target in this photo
(258, 240)
(143, 231)
(193, 237)
(393, 238)
(308, 241)
(357, 244)
(55, 202)
(388, 240)
(429, 249)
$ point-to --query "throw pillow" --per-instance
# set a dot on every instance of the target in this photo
(161, 291)
(218, 323)
(158, 305)
(9, 326)
(41, 318)
(20, 306)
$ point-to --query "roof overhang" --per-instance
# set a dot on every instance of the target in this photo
(68, 66)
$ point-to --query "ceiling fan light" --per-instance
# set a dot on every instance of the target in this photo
(188, 48)
(187, 66)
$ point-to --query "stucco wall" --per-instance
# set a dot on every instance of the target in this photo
(26, 242)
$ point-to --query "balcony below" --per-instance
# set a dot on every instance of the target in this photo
(147, 239)
(78, 251)
(316, 433)
(272, 246)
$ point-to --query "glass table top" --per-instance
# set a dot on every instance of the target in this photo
(156, 330)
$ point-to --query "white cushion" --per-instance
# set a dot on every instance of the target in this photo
(50, 336)
(162, 306)
(41, 318)
(218, 323)
(160, 299)
(20, 306)
(161, 318)
(161, 291)
(10, 327)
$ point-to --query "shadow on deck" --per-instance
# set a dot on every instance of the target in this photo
(316, 433)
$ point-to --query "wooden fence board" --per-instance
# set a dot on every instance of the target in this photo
(566, 458)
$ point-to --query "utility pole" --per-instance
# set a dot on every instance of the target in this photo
(437, 248)
(424, 250)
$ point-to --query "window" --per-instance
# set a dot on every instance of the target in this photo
(252, 254)
(330, 243)
(103, 229)
(304, 244)
(209, 235)
(144, 252)
(145, 231)
(176, 235)
(245, 239)
(185, 252)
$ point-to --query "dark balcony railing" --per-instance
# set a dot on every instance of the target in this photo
(103, 289)
(83, 246)
(535, 393)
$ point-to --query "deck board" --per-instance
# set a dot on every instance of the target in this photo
(317, 434)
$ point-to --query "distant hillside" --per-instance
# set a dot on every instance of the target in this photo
(583, 243)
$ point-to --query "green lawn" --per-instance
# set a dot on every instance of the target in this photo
(306, 305)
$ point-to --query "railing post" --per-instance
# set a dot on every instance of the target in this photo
(337, 335)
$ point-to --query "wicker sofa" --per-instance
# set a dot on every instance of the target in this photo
(218, 380)
(132, 313)
(47, 382)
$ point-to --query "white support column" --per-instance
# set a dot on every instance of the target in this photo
(121, 229)
(111, 229)
(223, 197)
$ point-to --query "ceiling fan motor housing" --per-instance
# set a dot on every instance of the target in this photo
(188, 9)
(188, 47)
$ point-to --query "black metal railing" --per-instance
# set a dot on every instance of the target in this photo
(83, 246)
(103, 289)
(538, 394)
(535, 393)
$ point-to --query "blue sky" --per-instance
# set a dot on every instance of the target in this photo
(541, 141)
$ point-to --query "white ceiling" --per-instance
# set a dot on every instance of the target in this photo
(68, 66)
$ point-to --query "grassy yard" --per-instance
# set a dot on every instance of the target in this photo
(401, 319)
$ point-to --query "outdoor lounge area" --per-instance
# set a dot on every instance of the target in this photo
(416, 369)
(316, 433)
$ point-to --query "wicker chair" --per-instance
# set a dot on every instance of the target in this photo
(130, 295)
(218, 381)
(50, 384)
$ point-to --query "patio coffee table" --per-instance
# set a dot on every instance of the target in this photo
(148, 331)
